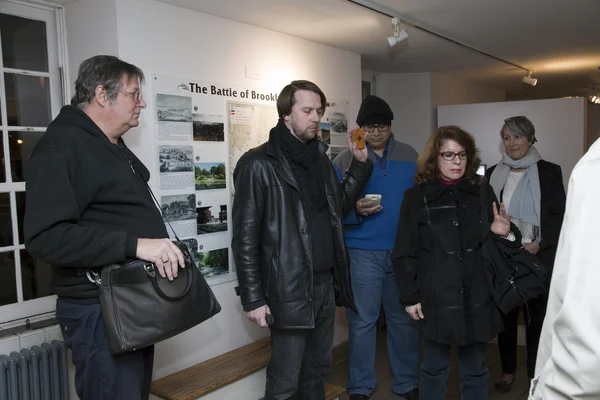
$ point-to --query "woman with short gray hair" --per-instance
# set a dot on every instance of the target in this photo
(532, 191)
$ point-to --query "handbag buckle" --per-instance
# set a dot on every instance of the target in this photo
(150, 270)
(93, 277)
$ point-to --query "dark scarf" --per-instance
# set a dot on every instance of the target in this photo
(308, 156)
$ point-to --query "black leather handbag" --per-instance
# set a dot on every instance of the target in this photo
(141, 308)
(513, 275)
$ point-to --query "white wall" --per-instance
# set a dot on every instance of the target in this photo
(447, 90)
(163, 39)
(559, 127)
(414, 99)
(91, 30)
(409, 98)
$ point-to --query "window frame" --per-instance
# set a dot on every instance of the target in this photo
(53, 17)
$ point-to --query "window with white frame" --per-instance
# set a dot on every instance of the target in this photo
(31, 94)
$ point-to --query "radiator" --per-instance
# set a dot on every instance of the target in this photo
(39, 373)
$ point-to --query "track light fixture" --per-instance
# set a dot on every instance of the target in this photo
(399, 35)
(594, 95)
(529, 80)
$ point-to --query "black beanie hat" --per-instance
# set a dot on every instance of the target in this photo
(374, 110)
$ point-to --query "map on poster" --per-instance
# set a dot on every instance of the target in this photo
(249, 126)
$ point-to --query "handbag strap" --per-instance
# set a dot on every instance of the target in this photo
(159, 207)
(94, 276)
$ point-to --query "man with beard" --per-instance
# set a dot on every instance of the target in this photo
(288, 242)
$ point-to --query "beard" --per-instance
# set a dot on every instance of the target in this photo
(304, 134)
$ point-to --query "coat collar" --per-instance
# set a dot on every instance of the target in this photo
(434, 189)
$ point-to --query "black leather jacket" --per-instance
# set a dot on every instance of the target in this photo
(271, 244)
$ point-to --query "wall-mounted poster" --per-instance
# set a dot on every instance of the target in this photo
(249, 126)
(195, 123)
(334, 124)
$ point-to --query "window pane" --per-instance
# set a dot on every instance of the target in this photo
(6, 237)
(36, 276)
(27, 100)
(21, 145)
(20, 214)
(8, 285)
(23, 43)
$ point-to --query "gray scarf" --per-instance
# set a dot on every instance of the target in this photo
(525, 202)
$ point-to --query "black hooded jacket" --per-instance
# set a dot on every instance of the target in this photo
(87, 203)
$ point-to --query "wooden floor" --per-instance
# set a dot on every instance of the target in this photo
(383, 391)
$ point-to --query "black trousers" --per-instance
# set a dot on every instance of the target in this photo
(534, 314)
(301, 358)
(100, 375)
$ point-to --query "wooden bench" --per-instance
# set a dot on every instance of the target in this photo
(204, 378)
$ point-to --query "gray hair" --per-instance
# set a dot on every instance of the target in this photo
(104, 71)
(520, 126)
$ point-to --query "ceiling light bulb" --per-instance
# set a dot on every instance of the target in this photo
(397, 38)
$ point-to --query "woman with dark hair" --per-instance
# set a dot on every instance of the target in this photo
(438, 263)
(533, 192)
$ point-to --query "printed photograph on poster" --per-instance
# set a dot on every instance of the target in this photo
(334, 151)
(210, 175)
(336, 114)
(209, 128)
(324, 132)
(179, 207)
(211, 218)
(174, 115)
(192, 245)
(180, 210)
(214, 262)
(176, 166)
(176, 158)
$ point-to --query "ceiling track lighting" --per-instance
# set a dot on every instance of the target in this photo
(528, 79)
(388, 12)
(399, 35)
(594, 95)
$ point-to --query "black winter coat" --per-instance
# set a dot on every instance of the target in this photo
(553, 200)
(437, 258)
(271, 238)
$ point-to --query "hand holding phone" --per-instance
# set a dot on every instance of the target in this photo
(370, 204)
(375, 199)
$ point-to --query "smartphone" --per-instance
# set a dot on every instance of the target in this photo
(374, 198)
(358, 137)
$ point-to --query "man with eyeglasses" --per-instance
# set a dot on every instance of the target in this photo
(370, 236)
(88, 206)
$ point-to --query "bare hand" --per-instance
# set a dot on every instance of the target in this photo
(359, 155)
(366, 207)
(532, 247)
(415, 312)
(258, 316)
(163, 254)
(501, 224)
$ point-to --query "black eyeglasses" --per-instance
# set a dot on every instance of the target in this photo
(380, 128)
(450, 155)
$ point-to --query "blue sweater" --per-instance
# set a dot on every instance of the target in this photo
(392, 175)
